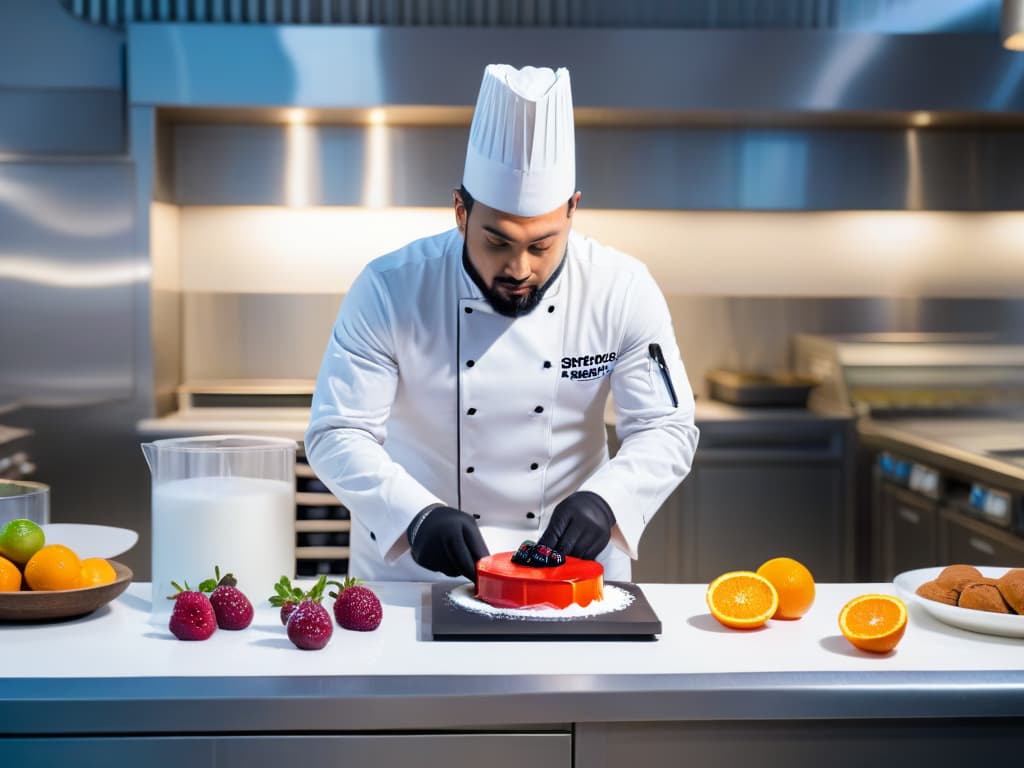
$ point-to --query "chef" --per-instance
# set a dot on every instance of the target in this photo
(460, 405)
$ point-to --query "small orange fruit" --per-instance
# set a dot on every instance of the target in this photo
(10, 576)
(742, 599)
(874, 623)
(54, 567)
(794, 584)
(97, 571)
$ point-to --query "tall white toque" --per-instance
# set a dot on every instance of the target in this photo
(521, 157)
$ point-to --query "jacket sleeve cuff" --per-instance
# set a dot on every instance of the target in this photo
(629, 525)
(390, 529)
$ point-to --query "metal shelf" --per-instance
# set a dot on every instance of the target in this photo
(319, 526)
(312, 499)
(305, 471)
(321, 553)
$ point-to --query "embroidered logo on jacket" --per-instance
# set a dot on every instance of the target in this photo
(588, 366)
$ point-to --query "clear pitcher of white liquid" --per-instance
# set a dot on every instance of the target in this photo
(224, 500)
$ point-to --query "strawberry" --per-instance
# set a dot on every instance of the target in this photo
(310, 626)
(232, 607)
(287, 597)
(356, 607)
(193, 617)
(287, 609)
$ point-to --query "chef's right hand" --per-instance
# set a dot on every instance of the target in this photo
(447, 540)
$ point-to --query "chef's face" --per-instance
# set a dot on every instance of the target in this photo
(514, 256)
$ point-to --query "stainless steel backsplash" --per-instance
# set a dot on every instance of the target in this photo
(261, 336)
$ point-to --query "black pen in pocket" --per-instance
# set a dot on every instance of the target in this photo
(659, 359)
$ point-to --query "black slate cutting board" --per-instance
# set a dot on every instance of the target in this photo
(637, 621)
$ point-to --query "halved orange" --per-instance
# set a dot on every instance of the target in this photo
(874, 623)
(742, 599)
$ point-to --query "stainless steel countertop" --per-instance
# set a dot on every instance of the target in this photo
(954, 444)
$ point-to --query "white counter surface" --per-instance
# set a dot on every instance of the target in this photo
(118, 641)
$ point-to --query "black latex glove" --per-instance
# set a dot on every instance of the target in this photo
(447, 540)
(581, 526)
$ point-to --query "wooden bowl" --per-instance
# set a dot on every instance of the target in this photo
(63, 603)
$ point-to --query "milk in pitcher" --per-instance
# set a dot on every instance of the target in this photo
(245, 525)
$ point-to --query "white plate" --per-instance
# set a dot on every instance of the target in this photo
(91, 540)
(986, 622)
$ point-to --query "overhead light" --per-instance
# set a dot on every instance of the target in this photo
(921, 119)
(1012, 27)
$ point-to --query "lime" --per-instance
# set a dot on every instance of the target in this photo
(20, 539)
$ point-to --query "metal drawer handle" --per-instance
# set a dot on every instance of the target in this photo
(909, 515)
(982, 546)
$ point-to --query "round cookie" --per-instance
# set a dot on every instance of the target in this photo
(958, 576)
(932, 590)
(983, 597)
(1011, 587)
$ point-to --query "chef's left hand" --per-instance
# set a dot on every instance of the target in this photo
(581, 526)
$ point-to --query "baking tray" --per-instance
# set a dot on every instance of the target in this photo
(782, 389)
(637, 621)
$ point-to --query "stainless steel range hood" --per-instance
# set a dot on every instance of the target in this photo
(669, 119)
(619, 69)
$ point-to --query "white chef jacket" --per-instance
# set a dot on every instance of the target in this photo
(427, 395)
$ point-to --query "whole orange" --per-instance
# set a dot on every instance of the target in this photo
(97, 571)
(794, 584)
(54, 567)
(10, 576)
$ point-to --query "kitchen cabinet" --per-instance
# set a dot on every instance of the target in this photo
(838, 744)
(775, 484)
(495, 750)
(966, 540)
(909, 525)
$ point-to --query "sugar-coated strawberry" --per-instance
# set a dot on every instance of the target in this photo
(286, 610)
(356, 607)
(310, 626)
(287, 597)
(192, 617)
(232, 607)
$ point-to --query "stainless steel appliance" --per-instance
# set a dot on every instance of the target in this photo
(15, 462)
(900, 375)
(941, 427)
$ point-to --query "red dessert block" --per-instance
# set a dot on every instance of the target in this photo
(505, 584)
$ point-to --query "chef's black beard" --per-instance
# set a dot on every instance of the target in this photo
(516, 306)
